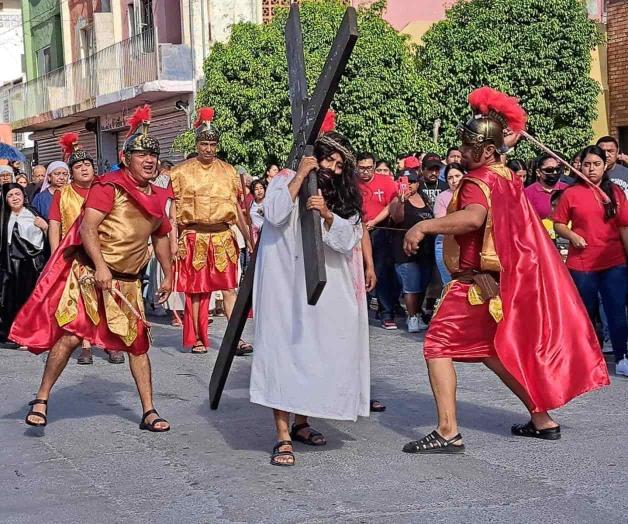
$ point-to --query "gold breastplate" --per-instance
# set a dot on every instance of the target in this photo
(205, 195)
(124, 235)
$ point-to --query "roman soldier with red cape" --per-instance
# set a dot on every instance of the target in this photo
(90, 289)
(512, 303)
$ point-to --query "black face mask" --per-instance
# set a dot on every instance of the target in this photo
(552, 180)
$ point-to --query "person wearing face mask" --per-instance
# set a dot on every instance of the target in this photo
(56, 177)
(540, 193)
(22, 256)
(91, 288)
(298, 366)
(206, 204)
(598, 244)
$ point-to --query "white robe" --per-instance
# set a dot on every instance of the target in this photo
(309, 360)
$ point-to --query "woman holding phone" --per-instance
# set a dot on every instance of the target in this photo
(415, 271)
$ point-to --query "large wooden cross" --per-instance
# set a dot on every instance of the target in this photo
(307, 118)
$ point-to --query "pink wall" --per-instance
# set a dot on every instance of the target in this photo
(399, 13)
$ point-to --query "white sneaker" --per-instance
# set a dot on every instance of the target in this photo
(413, 324)
(422, 325)
(622, 367)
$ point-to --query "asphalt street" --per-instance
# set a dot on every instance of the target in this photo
(92, 464)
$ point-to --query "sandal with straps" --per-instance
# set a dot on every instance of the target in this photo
(43, 416)
(277, 453)
(435, 443)
(151, 426)
(314, 438)
(529, 430)
(199, 347)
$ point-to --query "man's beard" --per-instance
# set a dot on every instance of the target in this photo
(325, 176)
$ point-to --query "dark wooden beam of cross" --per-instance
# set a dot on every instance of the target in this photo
(307, 119)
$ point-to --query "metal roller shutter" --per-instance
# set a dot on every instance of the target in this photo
(48, 141)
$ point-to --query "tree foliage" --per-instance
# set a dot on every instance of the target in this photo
(537, 50)
(380, 102)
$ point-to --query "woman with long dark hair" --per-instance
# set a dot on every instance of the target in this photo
(256, 210)
(597, 251)
(22, 253)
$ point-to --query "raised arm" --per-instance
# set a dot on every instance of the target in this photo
(469, 219)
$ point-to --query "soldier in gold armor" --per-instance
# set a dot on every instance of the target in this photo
(90, 289)
(205, 207)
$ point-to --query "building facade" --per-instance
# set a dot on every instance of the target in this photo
(618, 70)
(90, 63)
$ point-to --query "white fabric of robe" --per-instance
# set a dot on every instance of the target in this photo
(309, 360)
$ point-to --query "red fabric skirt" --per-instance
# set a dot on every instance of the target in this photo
(36, 326)
(459, 330)
(208, 278)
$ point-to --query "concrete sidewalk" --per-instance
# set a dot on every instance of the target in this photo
(92, 464)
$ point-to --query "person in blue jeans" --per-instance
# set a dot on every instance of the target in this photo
(597, 253)
(415, 271)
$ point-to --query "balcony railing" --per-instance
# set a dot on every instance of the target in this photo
(77, 86)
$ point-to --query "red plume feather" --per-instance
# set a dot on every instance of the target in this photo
(141, 115)
(204, 114)
(67, 142)
(329, 122)
(485, 99)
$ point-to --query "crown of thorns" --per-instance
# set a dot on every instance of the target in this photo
(330, 142)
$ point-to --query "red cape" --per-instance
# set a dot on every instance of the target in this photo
(35, 325)
(545, 340)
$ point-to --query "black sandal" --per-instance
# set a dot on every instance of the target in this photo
(43, 416)
(244, 348)
(199, 345)
(151, 426)
(435, 443)
(377, 406)
(277, 453)
(528, 430)
(314, 438)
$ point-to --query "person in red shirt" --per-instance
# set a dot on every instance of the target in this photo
(66, 207)
(597, 252)
(377, 193)
(511, 303)
(91, 288)
(540, 193)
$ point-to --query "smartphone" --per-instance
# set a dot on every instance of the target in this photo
(404, 184)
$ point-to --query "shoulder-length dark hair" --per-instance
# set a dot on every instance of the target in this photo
(341, 192)
(610, 208)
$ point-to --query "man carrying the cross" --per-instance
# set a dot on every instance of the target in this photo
(512, 304)
(206, 204)
(91, 287)
(312, 361)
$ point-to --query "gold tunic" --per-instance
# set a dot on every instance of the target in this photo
(123, 236)
(70, 205)
(206, 196)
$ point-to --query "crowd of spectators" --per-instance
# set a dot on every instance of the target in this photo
(590, 235)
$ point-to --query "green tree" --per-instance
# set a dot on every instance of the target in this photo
(380, 103)
(537, 50)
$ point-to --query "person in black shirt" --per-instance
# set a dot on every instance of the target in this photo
(415, 271)
(431, 185)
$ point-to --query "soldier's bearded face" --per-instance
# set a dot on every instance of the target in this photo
(143, 166)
